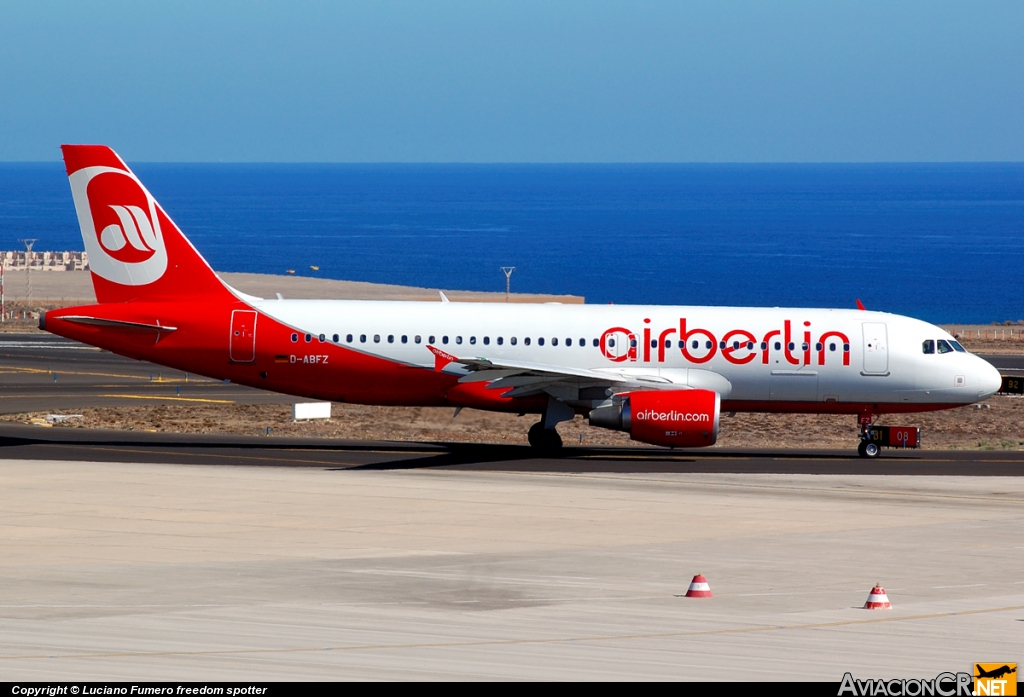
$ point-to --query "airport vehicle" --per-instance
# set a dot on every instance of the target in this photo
(663, 374)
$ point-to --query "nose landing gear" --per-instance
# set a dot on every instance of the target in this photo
(868, 449)
(874, 438)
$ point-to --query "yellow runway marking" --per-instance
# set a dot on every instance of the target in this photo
(166, 399)
(324, 463)
(767, 487)
(518, 642)
(172, 380)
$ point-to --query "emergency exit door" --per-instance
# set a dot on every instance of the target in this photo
(876, 348)
(242, 341)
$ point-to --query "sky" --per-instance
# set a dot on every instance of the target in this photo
(523, 81)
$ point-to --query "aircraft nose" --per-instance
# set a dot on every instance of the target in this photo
(989, 379)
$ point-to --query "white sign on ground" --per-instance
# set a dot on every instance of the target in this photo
(311, 410)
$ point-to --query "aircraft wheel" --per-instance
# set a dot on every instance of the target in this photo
(866, 449)
(544, 439)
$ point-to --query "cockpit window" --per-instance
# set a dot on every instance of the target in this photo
(928, 346)
(958, 347)
(944, 346)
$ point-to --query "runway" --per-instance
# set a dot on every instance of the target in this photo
(41, 372)
(133, 556)
(83, 445)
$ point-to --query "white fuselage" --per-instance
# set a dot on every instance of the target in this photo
(766, 355)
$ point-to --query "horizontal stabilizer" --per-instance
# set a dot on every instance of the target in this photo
(118, 324)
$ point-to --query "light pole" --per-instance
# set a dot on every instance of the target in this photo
(28, 267)
(507, 270)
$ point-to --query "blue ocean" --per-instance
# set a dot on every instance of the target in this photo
(942, 242)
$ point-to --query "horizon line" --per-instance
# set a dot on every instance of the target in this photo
(548, 163)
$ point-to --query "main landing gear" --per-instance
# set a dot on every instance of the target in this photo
(543, 437)
(544, 440)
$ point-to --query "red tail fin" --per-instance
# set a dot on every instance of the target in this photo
(136, 252)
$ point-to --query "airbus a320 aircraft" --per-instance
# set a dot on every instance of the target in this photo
(663, 374)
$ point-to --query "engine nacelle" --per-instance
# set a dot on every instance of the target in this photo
(676, 418)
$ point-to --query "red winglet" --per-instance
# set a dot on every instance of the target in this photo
(860, 305)
(441, 358)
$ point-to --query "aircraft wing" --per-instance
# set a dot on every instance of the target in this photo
(563, 382)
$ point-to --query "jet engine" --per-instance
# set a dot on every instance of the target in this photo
(676, 418)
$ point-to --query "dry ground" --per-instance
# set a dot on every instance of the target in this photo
(997, 424)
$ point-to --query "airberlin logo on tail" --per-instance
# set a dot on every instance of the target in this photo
(120, 226)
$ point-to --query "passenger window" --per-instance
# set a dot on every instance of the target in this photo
(362, 338)
(750, 344)
(376, 338)
(458, 340)
(654, 343)
(764, 345)
(335, 338)
(778, 345)
(568, 342)
(540, 341)
(430, 339)
(632, 343)
(526, 341)
(928, 346)
(832, 347)
(668, 343)
(417, 339)
(472, 339)
(944, 346)
(597, 342)
(348, 338)
(708, 344)
(405, 339)
(721, 344)
(611, 343)
(804, 346)
(696, 344)
(295, 337)
(512, 341)
(391, 338)
(958, 347)
(682, 344)
(500, 341)
(846, 347)
(735, 345)
(444, 340)
(322, 338)
(487, 340)
(817, 346)
(309, 337)
(554, 341)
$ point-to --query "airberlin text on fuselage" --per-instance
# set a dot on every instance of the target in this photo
(737, 346)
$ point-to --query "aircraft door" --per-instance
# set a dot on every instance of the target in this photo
(618, 345)
(876, 348)
(242, 342)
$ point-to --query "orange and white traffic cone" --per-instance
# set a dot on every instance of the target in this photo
(699, 588)
(877, 599)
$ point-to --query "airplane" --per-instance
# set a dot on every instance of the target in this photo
(664, 374)
(996, 672)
